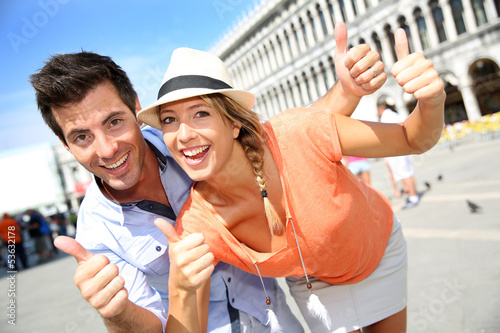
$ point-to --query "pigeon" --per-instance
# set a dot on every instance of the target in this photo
(474, 208)
(427, 185)
(440, 177)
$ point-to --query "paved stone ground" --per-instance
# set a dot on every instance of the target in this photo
(454, 255)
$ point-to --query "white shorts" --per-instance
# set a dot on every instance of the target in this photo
(359, 167)
(353, 306)
(400, 166)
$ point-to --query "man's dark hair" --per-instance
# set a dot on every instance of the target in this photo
(68, 78)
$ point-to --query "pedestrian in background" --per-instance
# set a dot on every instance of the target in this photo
(400, 167)
(11, 234)
(359, 166)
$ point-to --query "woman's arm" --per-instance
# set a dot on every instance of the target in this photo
(191, 265)
(420, 131)
(360, 73)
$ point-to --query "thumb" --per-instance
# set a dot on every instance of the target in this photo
(72, 247)
(168, 230)
(401, 41)
(340, 39)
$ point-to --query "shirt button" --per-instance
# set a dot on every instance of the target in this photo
(158, 248)
(150, 206)
(229, 280)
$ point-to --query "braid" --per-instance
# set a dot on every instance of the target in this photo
(251, 139)
(255, 154)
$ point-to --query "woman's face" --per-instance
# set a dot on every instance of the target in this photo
(198, 137)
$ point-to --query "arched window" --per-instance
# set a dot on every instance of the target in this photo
(322, 20)
(458, 16)
(390, 36)
(378, 45)
(355, 7)
(485, 74)
(403, 25)
(313, 26)
(297, 84)
(332, 12)
(296, 36)
(316, 81)
(342, 9)
(367, 4)
(308, 87)
(422, 28)
(437, 15)
(479, 13)
(304, 31)
(288, 43)
(291, 102)
(332, 66)
(497, 6)
(325, 75)
(362, 41)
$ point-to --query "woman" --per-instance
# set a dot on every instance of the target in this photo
(274, 198)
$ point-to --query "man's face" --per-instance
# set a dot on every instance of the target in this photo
(103, 135)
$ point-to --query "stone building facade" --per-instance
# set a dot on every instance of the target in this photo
(282, 50)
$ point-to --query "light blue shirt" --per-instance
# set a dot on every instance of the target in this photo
(127, 236)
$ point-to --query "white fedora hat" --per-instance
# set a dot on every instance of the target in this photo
(193, 73)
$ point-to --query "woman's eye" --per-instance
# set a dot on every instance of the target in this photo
(168, 120)
(202, 114)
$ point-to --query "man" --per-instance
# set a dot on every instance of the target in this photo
(400, 167)
(90, 104)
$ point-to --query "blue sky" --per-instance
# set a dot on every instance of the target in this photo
(138, 35)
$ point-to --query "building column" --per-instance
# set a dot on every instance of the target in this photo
(287, 55)
(264, 55)
(361, 6)
(322, 87)
(294, 51)
(449, 22)
(300, 35)
(386, 49)
(297, 97)
(261, 74)
(329, 73)
(328, 18)
(281, 97)
(317, 22)
(337, 11)
(310, 36)
(469, 18)
(470, 102)
(280, 60)
(349, 11)
(313, 89)
(491, 12)
(273, 58)
(276, 106)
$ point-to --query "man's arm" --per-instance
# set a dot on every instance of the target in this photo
(360, 73)
(103, 288)
(133, 318)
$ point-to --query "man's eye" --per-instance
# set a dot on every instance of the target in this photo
(80, 138)
(115, 122)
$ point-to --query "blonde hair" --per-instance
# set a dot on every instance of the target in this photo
(251, 137)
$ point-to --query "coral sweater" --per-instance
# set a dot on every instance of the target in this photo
(342, 225)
